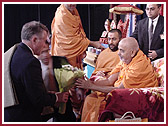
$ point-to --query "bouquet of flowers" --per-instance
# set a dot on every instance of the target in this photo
(66, 77)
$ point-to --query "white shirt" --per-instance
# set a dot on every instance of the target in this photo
(45, 74)
(154, 23)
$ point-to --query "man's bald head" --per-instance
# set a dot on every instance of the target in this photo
(130, 43)
(128, 48)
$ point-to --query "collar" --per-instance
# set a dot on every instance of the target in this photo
(43, 66)
(155, 20)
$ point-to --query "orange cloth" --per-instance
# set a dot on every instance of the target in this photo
(106, 61)
(139, 73)
(68, 36)
(91, 107)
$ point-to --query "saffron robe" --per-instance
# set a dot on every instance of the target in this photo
(68, 36)
(139, 73)
(106, 61)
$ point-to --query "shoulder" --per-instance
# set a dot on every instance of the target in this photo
(24, 55)
(143, 20)
(105, 52)
(141, 61)
(161, 18)
(32, 65)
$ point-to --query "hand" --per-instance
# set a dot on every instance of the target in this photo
(97, 44)
(62, 97)
(86, 84)
(152, 54)
(101, 73)
(76, 97)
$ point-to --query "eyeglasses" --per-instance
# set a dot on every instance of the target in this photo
(150, 9)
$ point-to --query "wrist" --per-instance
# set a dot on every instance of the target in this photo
(93, 87)
(93, 44)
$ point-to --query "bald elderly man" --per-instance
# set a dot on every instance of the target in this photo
(133, 71)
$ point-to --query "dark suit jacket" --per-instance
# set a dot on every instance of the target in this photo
(141, 34)
(32, 95)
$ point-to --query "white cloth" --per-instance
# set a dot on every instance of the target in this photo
(154, 23)
(151, 29)
(10, 97)
(45, 74)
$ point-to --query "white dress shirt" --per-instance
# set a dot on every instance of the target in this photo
(154, 23)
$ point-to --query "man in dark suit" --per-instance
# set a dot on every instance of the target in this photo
(26, 74)
(149, 32)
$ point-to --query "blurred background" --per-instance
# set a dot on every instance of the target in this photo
(92, 16)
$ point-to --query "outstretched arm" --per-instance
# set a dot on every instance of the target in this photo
(108, 81)
(96, 44)
(87, 84)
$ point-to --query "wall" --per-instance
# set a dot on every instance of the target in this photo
(16, 15)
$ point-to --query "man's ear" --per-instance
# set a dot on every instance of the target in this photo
(34, 39)
(133, 52)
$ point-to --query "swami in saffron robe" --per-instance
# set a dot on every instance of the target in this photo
(68, 36)
(139, 73)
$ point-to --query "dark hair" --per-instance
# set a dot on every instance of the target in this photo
(118, 31)
(32, 28)
(159, 5)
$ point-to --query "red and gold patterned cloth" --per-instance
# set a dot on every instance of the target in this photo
(143, 102)
(159, 68)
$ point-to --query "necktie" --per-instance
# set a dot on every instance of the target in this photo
(150, 34)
